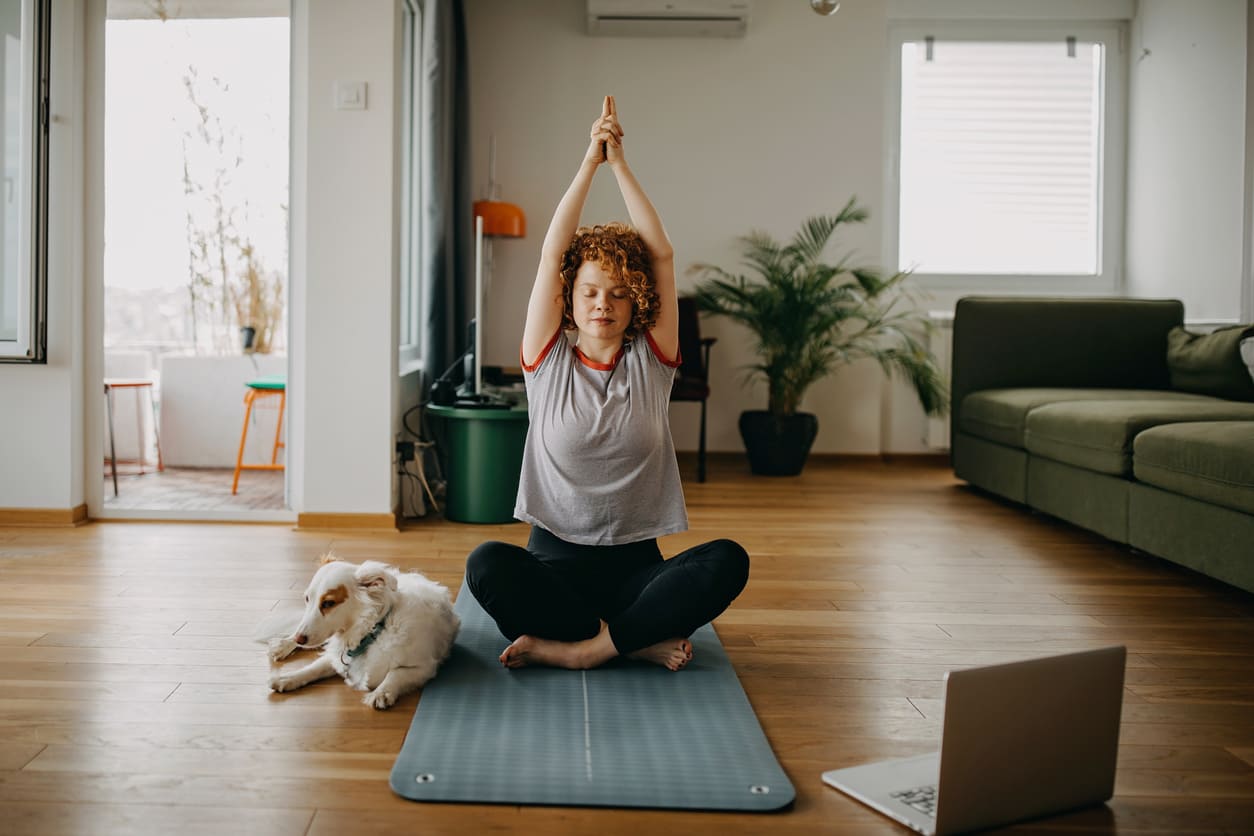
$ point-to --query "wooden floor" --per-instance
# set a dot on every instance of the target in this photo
(132, 700)
(194, 489)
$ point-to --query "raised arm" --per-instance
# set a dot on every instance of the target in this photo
(648, 223)
(544, 310)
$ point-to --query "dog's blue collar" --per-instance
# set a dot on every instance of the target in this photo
(365, 643)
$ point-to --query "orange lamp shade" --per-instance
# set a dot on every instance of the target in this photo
(501, 219)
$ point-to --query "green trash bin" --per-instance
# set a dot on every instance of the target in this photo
(483, 457)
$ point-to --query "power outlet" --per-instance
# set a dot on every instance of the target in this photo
(405, 450)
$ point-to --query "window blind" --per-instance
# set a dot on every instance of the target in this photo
(1000, 157)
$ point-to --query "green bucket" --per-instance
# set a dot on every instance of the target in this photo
(483, 456)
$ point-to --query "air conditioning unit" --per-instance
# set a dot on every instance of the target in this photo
(669, 18)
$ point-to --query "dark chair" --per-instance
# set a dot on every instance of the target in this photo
(692, 378)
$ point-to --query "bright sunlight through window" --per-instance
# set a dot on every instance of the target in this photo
(1001, 149)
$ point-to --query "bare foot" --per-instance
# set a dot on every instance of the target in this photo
(671, 654)
(577, 656)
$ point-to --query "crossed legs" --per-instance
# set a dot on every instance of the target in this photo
(573, 606)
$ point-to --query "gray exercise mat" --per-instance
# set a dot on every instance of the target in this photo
(628, 734)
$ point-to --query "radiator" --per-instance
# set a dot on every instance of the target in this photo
(941, 342)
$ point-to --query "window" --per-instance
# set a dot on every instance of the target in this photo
(1008, 167)
(24, 152)
(410, 332)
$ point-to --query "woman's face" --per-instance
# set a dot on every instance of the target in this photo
(600, 306)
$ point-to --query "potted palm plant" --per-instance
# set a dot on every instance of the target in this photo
(809, 318)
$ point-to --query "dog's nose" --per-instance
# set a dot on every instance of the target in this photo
(302, 639)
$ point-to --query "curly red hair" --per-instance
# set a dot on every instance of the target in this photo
(626, 259)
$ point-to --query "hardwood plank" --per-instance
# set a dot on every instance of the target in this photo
(137, 656)
(449, 819)
(36, 819)
(45, 671)
(318, 705)
(242, 645)
(1193, 784)
(42, 622)
(1182, 758)
(190, 790)
(1227, 694)
(224, 762)
(15, 754)
(10, 638)
(1205, 661)
(39, 689)
(156, 734)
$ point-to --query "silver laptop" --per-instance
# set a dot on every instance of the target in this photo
(1019, 740)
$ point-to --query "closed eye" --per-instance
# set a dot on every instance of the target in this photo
(327, 604)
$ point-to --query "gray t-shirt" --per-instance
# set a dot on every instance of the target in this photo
(599, 465)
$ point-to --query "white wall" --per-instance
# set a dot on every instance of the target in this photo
(725, 135)
(202, 410)
(1186, 155)
(1247, 293)
(344, 270)
(42, 406)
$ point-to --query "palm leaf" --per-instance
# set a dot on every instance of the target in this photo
(809, 317)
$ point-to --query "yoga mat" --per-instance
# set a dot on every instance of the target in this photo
(628, 734)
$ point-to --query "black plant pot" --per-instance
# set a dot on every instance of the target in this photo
(247, 335)
(777, 444)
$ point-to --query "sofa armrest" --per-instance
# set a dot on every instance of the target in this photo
(1002, 342)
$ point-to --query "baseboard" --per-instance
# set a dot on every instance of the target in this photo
(44, 517)
(354, 522)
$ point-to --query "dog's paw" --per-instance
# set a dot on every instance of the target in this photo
(280, 683)
(279, 649)
(380, 698)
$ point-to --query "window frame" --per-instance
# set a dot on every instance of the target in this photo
(1112, 161)
(31, 344)
(412, 199)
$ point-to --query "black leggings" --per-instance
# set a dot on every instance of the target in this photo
(558, 590)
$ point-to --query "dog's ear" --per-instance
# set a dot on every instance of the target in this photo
(374, 575)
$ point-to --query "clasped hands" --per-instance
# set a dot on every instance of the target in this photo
(607, 136)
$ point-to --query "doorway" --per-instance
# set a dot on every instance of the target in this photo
(196, 149)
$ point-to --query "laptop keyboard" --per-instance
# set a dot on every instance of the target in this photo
(922, 799)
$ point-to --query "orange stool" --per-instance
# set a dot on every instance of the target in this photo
(265, 387)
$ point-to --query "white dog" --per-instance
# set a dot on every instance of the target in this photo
(384, 631)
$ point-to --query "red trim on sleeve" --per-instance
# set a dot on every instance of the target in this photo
(657, 352)
(544, 353)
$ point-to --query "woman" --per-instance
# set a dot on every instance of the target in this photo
(599, 478)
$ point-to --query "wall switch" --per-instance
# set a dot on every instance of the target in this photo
(349, 95)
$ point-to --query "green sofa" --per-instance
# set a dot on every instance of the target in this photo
(1068, 406)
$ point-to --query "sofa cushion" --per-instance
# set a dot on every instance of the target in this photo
(1210, 364)
(1212, 461)
(1000, 414)
(1098, 435)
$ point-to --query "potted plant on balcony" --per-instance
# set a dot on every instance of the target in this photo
(809, 318)
(257, 296)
